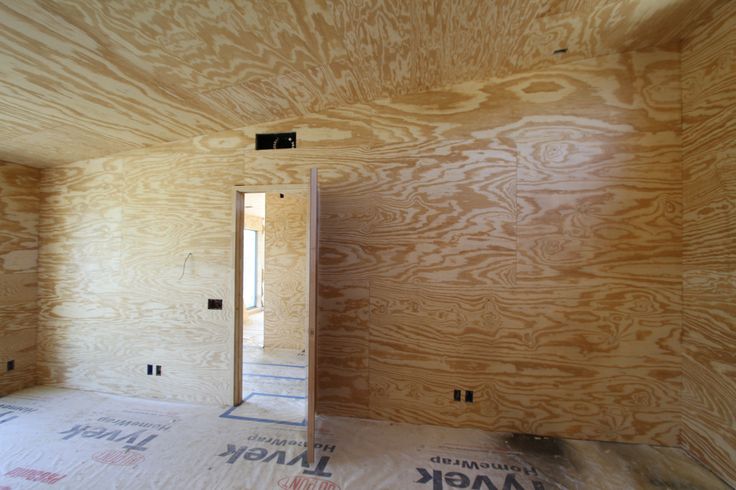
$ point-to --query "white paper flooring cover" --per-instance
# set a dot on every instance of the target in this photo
(274, 387)
(54, 438)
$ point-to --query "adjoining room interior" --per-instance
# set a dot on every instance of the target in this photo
(346, 245)
(254, 247)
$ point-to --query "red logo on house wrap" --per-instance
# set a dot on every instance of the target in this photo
(32, 474)
(307, 483)
(118, 458)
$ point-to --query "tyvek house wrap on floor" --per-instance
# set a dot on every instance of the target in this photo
(55, 438)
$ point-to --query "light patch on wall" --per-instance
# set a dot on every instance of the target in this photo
(540, 91)
(19, 260)
(322, 133)
(461, 98)
(255, 204)
(225, 140)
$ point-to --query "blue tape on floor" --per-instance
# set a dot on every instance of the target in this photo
(294, 397)
(273, 376)
(279, 365)
(228, 413)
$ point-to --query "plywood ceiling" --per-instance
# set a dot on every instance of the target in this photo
(92, 78)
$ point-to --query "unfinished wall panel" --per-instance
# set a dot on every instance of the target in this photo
(285, 271)
(343, 348)
(528, 353)
(19, 214)
(439, 266)
(709, 289)
(440, 170)
(118, 231)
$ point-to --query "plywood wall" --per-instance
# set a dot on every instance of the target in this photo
(285, 272)
(114, 293)
(257, 223)
(252, 222)
(520, 237)
(19, 211)
(709, 151)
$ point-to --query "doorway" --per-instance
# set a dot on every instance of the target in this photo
(272, 292)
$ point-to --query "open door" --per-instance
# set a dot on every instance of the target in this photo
(312, 261)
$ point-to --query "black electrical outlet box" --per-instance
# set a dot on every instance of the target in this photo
(158, 370)
(11, 365)
(214, 304)
(150, 369)
(468, 396)
(275, 141)
(457, 396)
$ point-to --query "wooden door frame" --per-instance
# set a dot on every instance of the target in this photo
(239, 213)
(312, 308)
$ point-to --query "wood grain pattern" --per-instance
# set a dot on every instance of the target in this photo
(709, 369)
(343, 347)
(121, 232)
(19, 215)
(528, 354)
(435, 209)
(89, 79)
(284, 275)
(709, 194)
